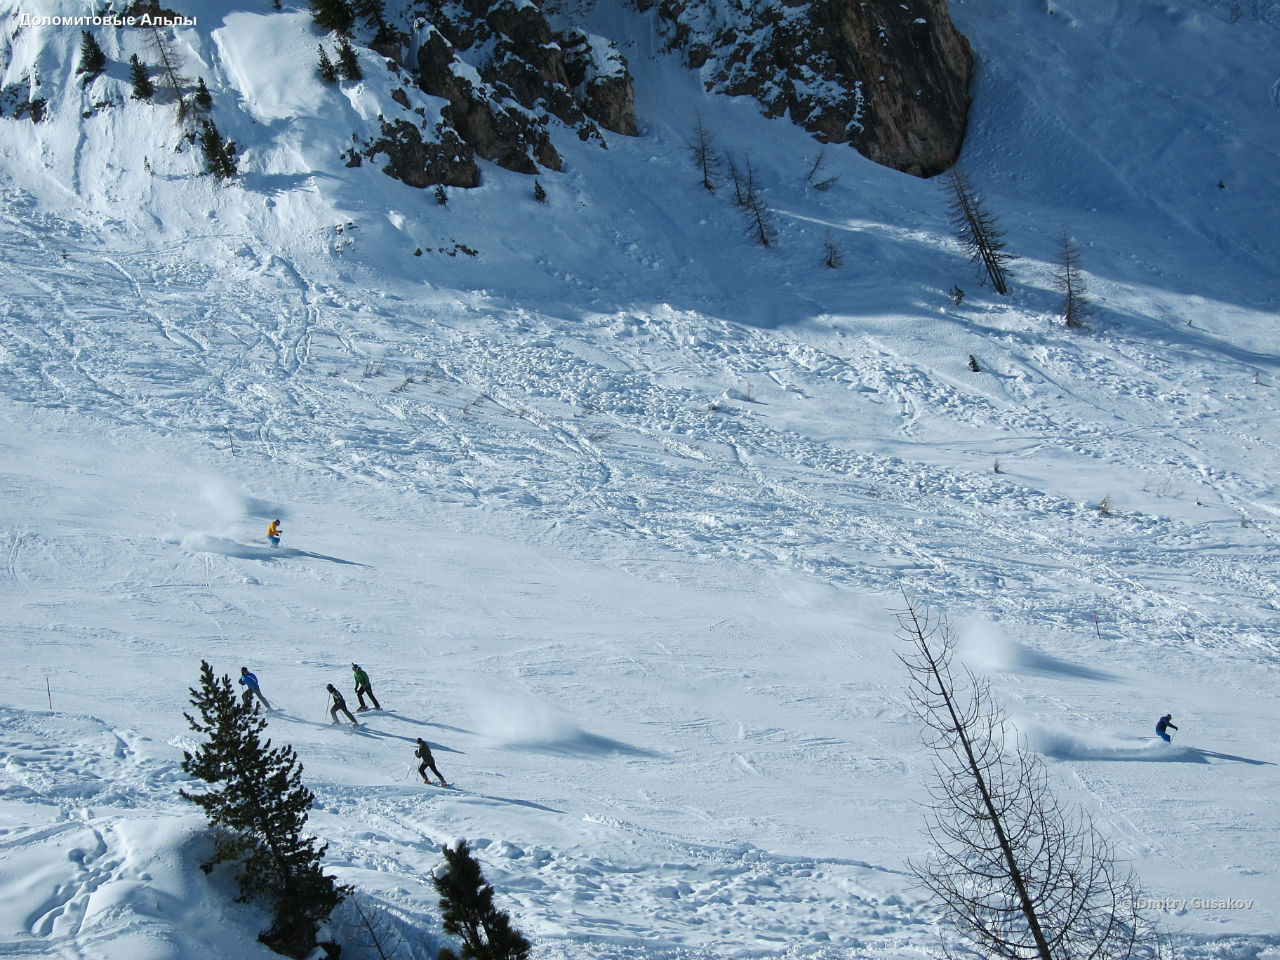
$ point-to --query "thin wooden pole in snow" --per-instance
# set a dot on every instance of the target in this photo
(48, 692)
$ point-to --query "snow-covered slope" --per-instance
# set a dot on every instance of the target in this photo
(615, 511)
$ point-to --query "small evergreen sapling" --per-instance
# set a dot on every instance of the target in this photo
(328, 72)
(466, 907)
(143, 88)
(348, 63)
(539, 194)
(203, 98)
(220, 156)
(260, 804)
(92, 60)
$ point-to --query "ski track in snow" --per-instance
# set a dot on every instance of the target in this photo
(680, 448)
(279, 375)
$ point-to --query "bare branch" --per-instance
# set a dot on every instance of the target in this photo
(1019, 877)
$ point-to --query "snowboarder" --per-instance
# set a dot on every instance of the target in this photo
(251, 682)
(1164, 724)
(363, 686)
(339, 704)
(424, 754)
(273, 533)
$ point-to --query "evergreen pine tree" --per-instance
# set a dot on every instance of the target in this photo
(348, 64)
(143, 88)
(371, 11)
(333, 15)
(92, 60)
(466, 906)
(260, 805)
(539, 194)
(219, 156)
(203, 98)
(442, 198)
(328, 72)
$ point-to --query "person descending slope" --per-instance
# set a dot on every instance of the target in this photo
(273, 533)
(251, 682)
(363, 686)
(1163, 725)
(339, 704)
(423, 753)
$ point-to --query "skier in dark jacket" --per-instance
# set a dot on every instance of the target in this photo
(424, 754)
(339, 704)
(1163, 725)
(363, 686)
(251, 682)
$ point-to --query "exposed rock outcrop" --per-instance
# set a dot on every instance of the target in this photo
(600, 78)
(512, 137)
(887, 76)
(890, 77)
(423, 163)
(507, 80)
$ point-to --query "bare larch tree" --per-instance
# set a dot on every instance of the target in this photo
(704, 154)
(169, 60)
(1017, 875)
(976, 229)
(1076, 305)
(760, 226)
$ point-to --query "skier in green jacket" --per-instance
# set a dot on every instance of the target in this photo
(363, 686)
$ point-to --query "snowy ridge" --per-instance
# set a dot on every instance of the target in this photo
(614, 507)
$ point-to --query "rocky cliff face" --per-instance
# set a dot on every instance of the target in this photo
(890, 77)
(507, 78)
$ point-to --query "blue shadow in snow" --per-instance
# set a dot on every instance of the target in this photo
(580, 744)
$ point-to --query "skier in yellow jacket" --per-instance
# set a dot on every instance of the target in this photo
(273, 533)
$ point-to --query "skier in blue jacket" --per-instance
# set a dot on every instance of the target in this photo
(1163, 725)
(250, 681)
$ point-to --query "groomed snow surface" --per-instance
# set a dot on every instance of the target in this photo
(616, 511)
